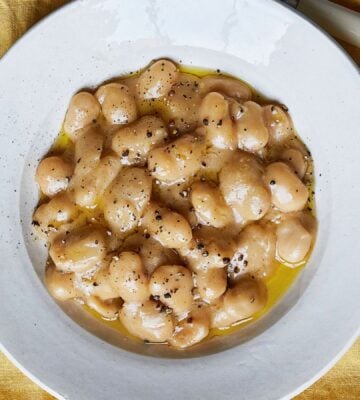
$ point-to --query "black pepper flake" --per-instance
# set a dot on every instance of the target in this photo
(158, 218)
(200, 246)
(203, 163)
(35, 223)
(147, 235)
(125, 153)
(220, 122)
(236, 270)
(95, 284)
(205, 121)
(272, 182)
(205, 253)
(246, 263)
(149, 134)
(167, 295)
(163, 309)
(226, 260)
(184, 193)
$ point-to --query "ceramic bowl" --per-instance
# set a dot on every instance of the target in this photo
(284, 57)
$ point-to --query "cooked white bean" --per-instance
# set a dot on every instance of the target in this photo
(288, 193)
(236, 109)
(133, 184)
(210, 206)
(248, 297)
(214, 160)
(214, 115)
(147, 321)
(53, 175)
(80, 250)
(152, 253)
(128, 277)
(254, 253)
(279, 124)
(117, 103)
(211, 284)
(157, 79)
(177, 160)
(88, 149)
(172, 285)
(61, 285)
(245, 299)
(92, 186)
(182, 102)
(126, 198)
(121, 215)
(219, 318)
(252, 133)
(168, 227)
(50, 216)
(83, 111)
(308, 221)
(108, 309)
(100, 283)
(177, 197)
(243, 189)
(205, 252)
(227, 86)
(133, 143)
(295, 159)
(190, 330)
(293, 240)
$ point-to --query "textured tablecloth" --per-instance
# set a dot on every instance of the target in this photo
(341, 383)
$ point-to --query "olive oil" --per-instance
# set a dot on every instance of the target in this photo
(62, 143)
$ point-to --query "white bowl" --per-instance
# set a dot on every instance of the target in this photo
(280, 54)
